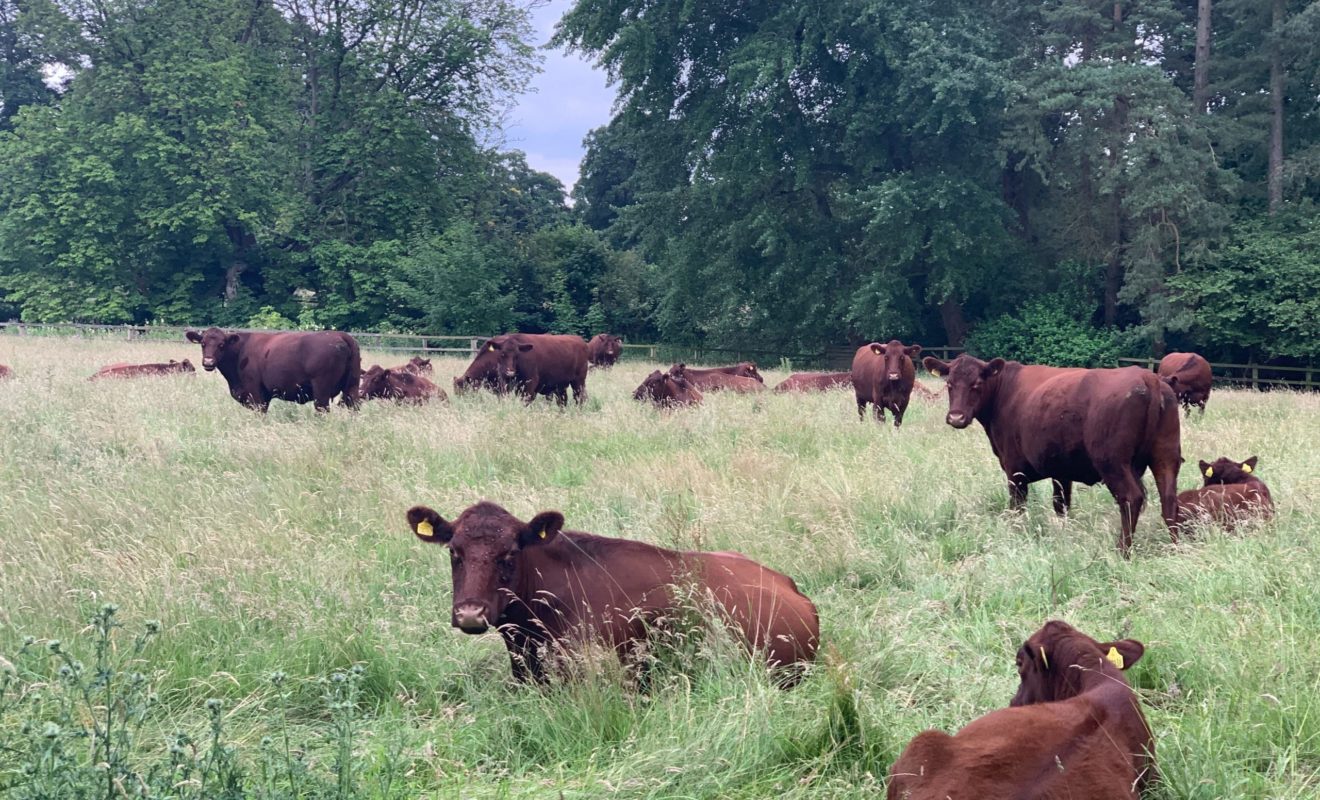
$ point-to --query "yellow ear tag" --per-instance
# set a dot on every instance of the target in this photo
(1043, 658)
(1246, 468)
(1209, 472)
(542, 534)
(425, 529)
(1114, 657)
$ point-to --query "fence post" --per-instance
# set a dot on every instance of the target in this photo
(472, 347)
(1255, 377)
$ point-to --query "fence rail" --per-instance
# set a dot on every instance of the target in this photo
(834, 357)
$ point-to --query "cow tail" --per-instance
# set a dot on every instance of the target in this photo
(353, 374)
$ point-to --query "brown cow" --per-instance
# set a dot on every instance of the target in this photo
(664, 390)
(743, 369)
(5, 372)
(122, 370)
(399, 384)
(814, 381)
(545, 588)
(1073, 730)
(1085, 425)
(882, 375)
(1231, 492)
(714, 380)
(604, 350)
(531, 363)
(1189, 375)
(295, 366)
(416, 365)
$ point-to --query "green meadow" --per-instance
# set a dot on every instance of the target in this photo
(300, 643)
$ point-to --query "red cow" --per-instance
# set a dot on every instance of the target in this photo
(814, 381)
(1066, 425)
(664, 390)
(717, 380)
(882, 375)
(1231, 492)
(1189, 375)
(546, 589)
(122, 370)
(294, 366)
(399, 384)
(1073, 730)
(604, 350)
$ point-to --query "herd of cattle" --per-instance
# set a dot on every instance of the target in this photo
(1075, 727)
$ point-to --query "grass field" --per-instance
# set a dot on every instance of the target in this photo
(278, 543)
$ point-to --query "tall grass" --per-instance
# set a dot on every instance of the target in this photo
(276, 545)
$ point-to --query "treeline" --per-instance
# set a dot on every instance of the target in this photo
(1062, 181)
(304, 163)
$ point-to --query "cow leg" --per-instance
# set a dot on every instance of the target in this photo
(1062, 497)
(523, 656)
(1201, 405)
(1017, 491)
(899, 410)
(1131, 498)
(1165, 470)
(561, 396)
(861, 410)
(879, 412)
(580, 392)
(529, 391)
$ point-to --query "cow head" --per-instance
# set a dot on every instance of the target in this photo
(970, 382)
(894, 353)
(419, 365)
(486, 547)
(1055, 662)
(185, 365)
(747, 369)
(217, 345)
(668, 388)
(1226, 470)
(374, 383)
(612, 345)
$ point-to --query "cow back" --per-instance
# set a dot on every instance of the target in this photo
(814, 381)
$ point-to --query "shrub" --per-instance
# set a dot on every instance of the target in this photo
(1053, 330)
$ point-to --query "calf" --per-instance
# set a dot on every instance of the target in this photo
(1189, 375)
(1231, 492)
(814, 381)
(665, 390)
(417, 366)
(1073, 730)
(882, 375)
(398, 384)
(604, 350)
(718, 381)
(743, 369)
(1066, 425)
(545, 588)
(184, 367)
(296, 366)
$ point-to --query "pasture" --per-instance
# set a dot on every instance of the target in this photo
(278, 544)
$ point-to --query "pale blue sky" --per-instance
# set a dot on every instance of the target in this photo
(568, 98)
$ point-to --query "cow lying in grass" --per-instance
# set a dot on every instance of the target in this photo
(1231, 492)
(1073, 730)
(544, 588)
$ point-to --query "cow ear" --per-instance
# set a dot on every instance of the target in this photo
(934, 365)
(913, 350)
(429, 526)
(543, 528)
(193, 336)
(1172, 380)
(1123, 653)
(231, 339)
(1206, 469)
(1249, 466)
(876, 348)
(993, 368)
(524, 347)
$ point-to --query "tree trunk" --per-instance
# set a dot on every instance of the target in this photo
(1114, 269)
(1201, 83)
(1276, 109)
(955, 324)
(241, 240)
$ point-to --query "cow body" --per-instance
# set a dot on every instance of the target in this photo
(299, 367)
(1231, 492)
(399, 384)
(604, 350)
(531, 364)
(1073, 425)
(665, 391)
(738, 379)
(814, 381)
(882, 375)
(184, 367)
(544, 588)
(1189, 375)
(1073, 731)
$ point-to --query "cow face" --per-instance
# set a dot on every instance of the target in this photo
(486, 554)
(970, 384)
(1053, 662)
(375, 382)
(1226, 470)
(747, 369)
(419, 365)
(185, 365)
(894, 354)
(216, 344)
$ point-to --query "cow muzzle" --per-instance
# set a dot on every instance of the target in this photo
(208, 364)
(957, 420)
(893, 376)
(470, 618)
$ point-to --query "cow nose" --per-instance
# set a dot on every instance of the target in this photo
(893, 376)
(470, 618)
(956, 420)
(208, 363)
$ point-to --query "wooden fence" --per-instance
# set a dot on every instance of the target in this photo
(838, 357)
(1256, 376)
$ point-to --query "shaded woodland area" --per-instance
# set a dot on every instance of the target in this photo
(1061, 181)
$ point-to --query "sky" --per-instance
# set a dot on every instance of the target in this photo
(568, 98)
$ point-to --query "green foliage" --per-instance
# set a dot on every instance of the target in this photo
(268, 318)
(1053, 329)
